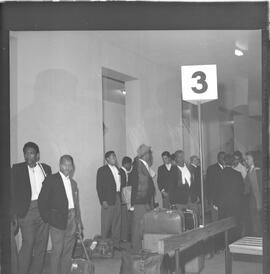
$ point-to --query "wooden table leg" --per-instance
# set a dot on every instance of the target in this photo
(228, 259)
(177, 265)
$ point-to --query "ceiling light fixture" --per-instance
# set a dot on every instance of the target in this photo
(238, 52)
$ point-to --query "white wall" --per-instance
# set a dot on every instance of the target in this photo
(115, 128)
(56, 101)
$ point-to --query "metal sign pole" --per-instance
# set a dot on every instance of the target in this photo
(201, 159)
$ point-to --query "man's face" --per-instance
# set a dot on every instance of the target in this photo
(128, 166)
(236, 160)
(249, 160)
(180, 158)
(196, 161)
(66, 167)
(112, 160)
(31, 156)
(166, 160)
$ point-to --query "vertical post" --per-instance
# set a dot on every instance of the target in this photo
(201, 159)
(228, 262)
(177, 265)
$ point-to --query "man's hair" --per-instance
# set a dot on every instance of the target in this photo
(228, 159)
(30, 145)
(126, 160)
(238, 154)
(178, 152)
(193, 157)
(166, 153)
(173, 156)
(108, 154)
(220, 153)
(67, 158)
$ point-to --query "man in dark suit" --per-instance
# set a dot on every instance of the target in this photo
(231, 193)
(26, 183)
(109, 194)
(195, 171)
(212, 180)
(125, 210)
(143, 192)
(164, 178)
(179, 191)
(58, 203)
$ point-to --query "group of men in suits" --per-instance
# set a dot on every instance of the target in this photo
(110, 183)
(43, 202)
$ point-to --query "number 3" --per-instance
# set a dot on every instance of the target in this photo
(201, 81)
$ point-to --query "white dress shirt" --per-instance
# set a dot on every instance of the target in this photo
(168, 166)
(240, 168)
(67, 185)
(36, 178)
(186, 176)
(116, 176)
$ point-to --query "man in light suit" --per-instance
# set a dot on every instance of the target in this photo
(26, 183)
(109, 193)
(58, 203)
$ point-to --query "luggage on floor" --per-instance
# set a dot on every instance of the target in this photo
(80, 265)
(103, 248)
(142, 263)
(78, 251)
(163, 221)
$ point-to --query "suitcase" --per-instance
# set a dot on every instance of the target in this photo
(191, 219)
(103, 248)
(163, 221)
(151, 241)
(142, 263)
(80, 265)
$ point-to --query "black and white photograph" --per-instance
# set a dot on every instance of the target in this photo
(134, 138)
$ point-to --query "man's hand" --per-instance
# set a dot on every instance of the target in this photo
(105, 205)
(164, 194)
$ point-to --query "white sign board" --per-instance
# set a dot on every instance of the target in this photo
(199, 83)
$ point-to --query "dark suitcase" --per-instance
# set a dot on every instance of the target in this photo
(191, 219)
(142, 263)
(103, 248)
(163, 221)
(80, 265)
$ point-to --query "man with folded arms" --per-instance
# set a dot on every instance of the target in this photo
(58, 203)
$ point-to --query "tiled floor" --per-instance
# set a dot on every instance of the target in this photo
(215, 265)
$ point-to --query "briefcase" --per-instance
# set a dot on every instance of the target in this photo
(163, 221)
(80, 265)
(142, 263)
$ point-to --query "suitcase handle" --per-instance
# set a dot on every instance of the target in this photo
(83, 245)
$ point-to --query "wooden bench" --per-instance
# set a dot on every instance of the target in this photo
(251, 246)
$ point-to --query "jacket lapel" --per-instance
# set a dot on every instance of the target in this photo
(61, 183)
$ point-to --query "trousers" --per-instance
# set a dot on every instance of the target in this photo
(35, 235)
(63, 242)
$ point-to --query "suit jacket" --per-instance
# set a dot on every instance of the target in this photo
(164, 178)
(124, 178)
(21, 188)
(195, 188)
(230, 193)
(53, 202)
(179, 193)
(212, 179)
(143, 189)
(106, 185)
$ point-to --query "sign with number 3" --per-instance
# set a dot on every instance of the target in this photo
(199, 83)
